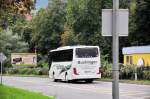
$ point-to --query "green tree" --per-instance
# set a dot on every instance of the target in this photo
(141, 34)
(67, 37)
(84, 19)
(11, 9)
(48, 26)
(11, 43)
(23, 29)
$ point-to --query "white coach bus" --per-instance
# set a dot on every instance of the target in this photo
(71, 63)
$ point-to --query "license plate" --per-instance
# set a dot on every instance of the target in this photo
(87, 71)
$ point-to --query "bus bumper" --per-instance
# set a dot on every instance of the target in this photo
(83, 77)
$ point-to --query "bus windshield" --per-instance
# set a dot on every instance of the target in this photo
(86, 52)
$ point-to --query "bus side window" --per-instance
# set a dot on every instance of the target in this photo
(68, 55)
(54, 57)
(61, 56)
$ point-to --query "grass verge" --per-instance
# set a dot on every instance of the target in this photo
(7, 92)
(141, 82)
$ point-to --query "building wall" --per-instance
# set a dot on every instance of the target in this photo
(24, 58)
(134, 58)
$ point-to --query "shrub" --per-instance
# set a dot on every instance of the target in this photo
(12, 71)
(19, 70)
(106, 70)
(28, 71)
(23, 70)
(42, 63)
(146, 74)
(127, 71)
(43, 71)
(7, 62)
(24, 65)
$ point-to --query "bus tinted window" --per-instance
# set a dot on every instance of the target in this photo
(86, 52)
(64, 55)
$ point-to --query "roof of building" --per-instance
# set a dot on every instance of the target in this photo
(136, 49)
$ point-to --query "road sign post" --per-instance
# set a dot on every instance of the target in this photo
(115, 67)
(1, 72)
(115, 24)
(2, 58)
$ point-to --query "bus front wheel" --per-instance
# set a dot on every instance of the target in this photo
(55, 80)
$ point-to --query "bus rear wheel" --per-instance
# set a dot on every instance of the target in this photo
(55, 80)
(89, 80)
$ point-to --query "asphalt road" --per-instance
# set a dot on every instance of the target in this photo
(63, 90)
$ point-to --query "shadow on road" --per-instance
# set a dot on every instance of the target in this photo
(77, 82)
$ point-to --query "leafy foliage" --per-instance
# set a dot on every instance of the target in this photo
(68, 38)
(142, 32)
(11, 9)
(24, 31)
(74, 22)
(126, 71)
(83, 18)
(11, 43)
(48, 26)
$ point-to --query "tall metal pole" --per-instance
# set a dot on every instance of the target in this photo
(1, 71)
(115, 68)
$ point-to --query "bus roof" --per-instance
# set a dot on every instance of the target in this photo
(71, 47)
